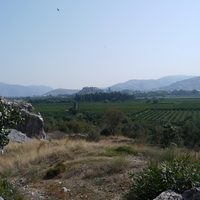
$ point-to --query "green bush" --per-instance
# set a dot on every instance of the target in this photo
(9, 117)
(168, 154)
(105, 132)
(118, 165)
(121, 150)
(93, 136)
(8, 192)
(53, 172)
(134, 130)
(78, 126)
(125, 149)
(178, 175)
(158, 155)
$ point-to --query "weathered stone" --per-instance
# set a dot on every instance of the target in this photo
(17, 136)
(21, 104)
(169, 195)
(64, 189)
(192, 194)
(33, 125)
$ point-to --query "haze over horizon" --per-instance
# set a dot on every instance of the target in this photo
(97, 43)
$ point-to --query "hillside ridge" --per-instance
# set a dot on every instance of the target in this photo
(165, 83)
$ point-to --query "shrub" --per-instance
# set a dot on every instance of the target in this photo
(158, 155)
(9, 117)
(178, 175)
(168, 154)
(121, 150)
(52, 172)
(112, 118)
(125, 149)
(105, 132)
(118, 165)
(7, 191)
(78, 126)
(134, 130)
(93, 136)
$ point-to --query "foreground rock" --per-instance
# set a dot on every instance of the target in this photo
(17, 136)
(33, 125)
(192, 194)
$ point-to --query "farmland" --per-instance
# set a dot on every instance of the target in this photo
(155, 121)
(167, 109)
(173, 115)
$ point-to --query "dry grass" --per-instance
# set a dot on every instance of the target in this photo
(91, 171)
(23, 155)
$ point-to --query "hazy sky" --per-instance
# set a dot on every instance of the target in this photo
(97, 42)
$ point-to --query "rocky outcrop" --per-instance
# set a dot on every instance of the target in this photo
(168, 195)
(33, 125)
(21, 104)
(17, 136)
(192, 194)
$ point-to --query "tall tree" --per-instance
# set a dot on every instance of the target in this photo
(112, 119)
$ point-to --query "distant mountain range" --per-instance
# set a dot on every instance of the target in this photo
(61, 91)
(165, 83)
(11, 90)
(188, 84)
(151, 84)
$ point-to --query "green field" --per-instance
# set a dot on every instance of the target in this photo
(169, 120)
(172, 110)
(171, 115)
(168, 109)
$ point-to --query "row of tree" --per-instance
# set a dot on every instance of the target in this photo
(123, 96)
(103, 97)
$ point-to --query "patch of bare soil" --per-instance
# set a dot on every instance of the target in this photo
(100, 180)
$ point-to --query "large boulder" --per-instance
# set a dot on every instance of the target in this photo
(192, 194)
(21, 104)
(168, 195)
(17, 136)
(33, 125)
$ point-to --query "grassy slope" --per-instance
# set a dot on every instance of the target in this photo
(92, 170)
